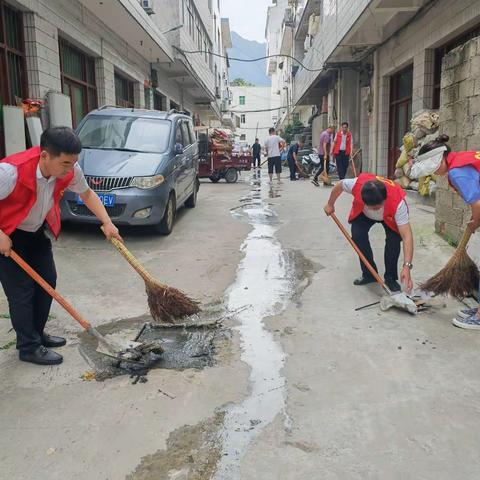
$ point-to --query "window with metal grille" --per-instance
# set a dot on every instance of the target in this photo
(124, 92)
(78, 80)
(13, 84)
(242, 118)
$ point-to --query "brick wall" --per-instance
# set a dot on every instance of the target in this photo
(460, 119)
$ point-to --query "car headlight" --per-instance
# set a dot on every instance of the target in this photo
(147, 182)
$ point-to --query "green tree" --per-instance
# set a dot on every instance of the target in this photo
(240, 82)
(289, 129)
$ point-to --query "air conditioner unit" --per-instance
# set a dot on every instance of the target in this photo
(313, 24)
(147, 5)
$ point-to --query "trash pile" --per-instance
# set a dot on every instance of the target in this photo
(424, 129)
(221, 142)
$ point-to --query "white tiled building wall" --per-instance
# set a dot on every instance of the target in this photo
(45, 21)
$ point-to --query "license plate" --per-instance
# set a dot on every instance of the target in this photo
(107, 199)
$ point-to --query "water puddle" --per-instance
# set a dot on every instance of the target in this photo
(266, 283)
(190, 345)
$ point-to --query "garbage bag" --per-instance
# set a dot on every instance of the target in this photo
(400, 300)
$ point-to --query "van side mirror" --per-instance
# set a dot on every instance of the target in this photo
(178, 149)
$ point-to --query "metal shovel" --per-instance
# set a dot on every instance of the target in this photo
(128, 351)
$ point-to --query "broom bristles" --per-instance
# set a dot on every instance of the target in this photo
(459, 277)
(167, 304)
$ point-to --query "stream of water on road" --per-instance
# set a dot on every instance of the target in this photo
(264, 285)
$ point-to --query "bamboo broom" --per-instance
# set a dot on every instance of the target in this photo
(166, 303)
(459, 277)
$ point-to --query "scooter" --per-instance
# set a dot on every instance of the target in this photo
(310, 162)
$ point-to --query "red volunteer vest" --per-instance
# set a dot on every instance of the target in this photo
(462, 159)
(338, 141)
(395, 194)
(15, 208)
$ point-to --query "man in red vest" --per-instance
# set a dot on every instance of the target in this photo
(32, 184)
(378, 200)
(342, 149)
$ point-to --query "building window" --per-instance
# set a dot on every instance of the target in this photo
(401, 87)
(296, 117)
(242, 118)
(124, 96)
(243, 136)
(78, 80)
(241, 100)
(13, 83)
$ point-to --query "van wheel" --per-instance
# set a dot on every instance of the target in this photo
(192, 199)
(166, 225)
(231, 175)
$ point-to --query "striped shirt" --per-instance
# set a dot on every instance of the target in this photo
(45, 190)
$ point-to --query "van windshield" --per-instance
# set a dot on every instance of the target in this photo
(114, 132)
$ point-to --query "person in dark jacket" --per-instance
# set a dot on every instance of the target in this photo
(256, 153)
(292, 157)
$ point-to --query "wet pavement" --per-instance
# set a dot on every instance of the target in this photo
(265, 284)
(294, 383)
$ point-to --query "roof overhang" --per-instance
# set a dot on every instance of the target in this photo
(129, 19)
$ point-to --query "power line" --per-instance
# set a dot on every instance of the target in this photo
(255, 111)
(251, 60)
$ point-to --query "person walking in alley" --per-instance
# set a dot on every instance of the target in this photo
(324, 148)
(342, 149)
(256, 153)
(32, 184)
(463, 171)
(273, 148)
(378, 200)
(292, 157)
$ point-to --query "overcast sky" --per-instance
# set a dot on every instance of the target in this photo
(247, 17)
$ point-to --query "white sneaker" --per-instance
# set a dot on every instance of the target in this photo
(470, 323)
(467, 312)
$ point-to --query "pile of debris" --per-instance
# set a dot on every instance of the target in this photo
(221, 142)
(424, 129)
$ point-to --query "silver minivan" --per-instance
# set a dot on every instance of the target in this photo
(143, 164)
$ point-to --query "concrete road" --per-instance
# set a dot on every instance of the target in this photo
(302, 385)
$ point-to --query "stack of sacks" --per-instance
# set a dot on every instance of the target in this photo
(424, 127)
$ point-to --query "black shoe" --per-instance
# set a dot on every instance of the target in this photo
(363, 281)
(293, 179)
(315, 182)
(41, 356)
(393, 285)
(50, 341)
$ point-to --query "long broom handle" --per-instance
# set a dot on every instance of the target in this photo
(352, 159)
(377, 277)
(140, 269)
(50, 290)
(464, 240)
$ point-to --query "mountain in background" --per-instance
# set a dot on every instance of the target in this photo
(254, 72)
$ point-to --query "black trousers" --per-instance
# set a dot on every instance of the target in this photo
(360, 228)
(342, 160)
(293, 168)
(28, 303)
(322, 166)
(256, 160)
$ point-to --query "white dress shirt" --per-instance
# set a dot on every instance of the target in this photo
(45, 191)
